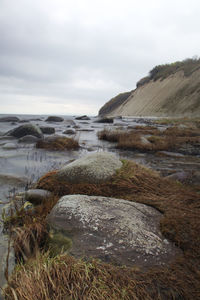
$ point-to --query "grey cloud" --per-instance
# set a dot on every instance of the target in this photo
(89, 53)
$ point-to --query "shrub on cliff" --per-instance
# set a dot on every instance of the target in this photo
(188, 66)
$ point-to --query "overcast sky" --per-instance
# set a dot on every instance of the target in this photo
(71, 56)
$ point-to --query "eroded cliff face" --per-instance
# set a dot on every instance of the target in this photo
(177, 95)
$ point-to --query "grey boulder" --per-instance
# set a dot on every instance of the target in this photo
(114, 230)
(26, 129)
(92, 168)
(9, 146)
(28, 139)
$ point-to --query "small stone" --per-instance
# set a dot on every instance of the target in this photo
(69, 131)
(29, 139)
(82, 118)
(9, 146)
(47, 130)
(36, 196)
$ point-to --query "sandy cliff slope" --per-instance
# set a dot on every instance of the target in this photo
(176, 95)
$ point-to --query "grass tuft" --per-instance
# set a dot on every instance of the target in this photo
(171, 139)
(59, 143)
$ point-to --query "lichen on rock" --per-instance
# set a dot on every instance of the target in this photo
(92, 168)
(111, 229)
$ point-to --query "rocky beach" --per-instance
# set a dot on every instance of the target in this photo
(103, 188)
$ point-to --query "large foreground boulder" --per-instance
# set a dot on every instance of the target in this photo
(92, 168)
(26, 129)
(114, 230)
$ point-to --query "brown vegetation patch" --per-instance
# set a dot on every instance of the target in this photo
(58, 143)
(29, 239)
(189, 122)
(28, 229)
(110, 135)
(182, 132)
(64, 277)
(170, 140)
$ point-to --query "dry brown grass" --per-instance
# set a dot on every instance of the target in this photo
(169, 140)
(29, 239)
(59, 143)
(64, 277)
(28, 229)
(110, 135)
(182, 132)
(190, 122)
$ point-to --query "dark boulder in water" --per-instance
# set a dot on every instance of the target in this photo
(104, 120)
(69, 131)
(9, 119)
(27, 129)
(54, 119)
(47, 130)
(82, 118)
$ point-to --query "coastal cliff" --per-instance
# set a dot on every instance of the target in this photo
(171, 90)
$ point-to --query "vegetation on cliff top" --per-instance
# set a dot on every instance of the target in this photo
(160, 72)
(188, 66)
